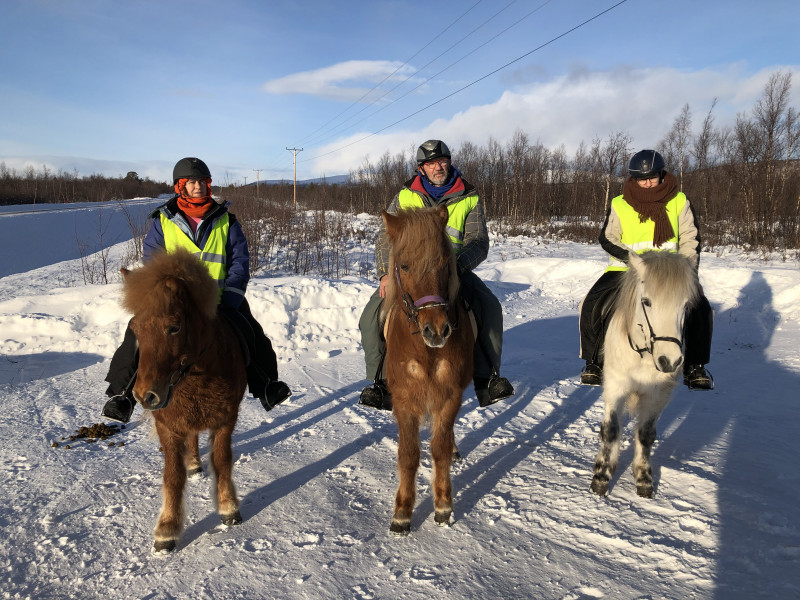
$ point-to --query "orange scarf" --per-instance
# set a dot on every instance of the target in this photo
(193, 207)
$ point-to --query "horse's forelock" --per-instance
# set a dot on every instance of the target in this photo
(153, 288)
(670, 277)
(419, 229)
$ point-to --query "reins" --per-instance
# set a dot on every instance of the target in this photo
(182, 371)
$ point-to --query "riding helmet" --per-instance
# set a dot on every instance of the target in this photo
(190, 168)
(432, 149)
(646, 164)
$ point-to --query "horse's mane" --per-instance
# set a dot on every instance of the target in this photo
(419, 228)
(670, 277)
(153, 287)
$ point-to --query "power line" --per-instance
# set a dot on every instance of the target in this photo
(497, 70)
(451, 64)
(390, 75)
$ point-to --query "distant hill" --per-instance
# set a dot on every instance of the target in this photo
(333, 179)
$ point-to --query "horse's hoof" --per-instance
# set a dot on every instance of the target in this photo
(196, 473)
(163, 547)
(645, 491)
(599, 487)
(443, 519)
(232, 519)
(400, 529)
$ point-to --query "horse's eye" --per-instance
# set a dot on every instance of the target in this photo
(646, 302)
(404, 268)
(173, 329)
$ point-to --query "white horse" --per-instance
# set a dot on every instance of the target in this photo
(643, 355)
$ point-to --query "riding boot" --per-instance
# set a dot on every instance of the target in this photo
(494, 389)
(376, 395)
(119, 408)
(274, 393)
(696, 377)
(592, 374)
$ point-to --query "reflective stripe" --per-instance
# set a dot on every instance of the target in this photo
(213, 253)
(457, 214)
(638, 236)
(455, 233)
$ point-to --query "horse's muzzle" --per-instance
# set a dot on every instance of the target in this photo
(153, 401)
(436, 338)
(665, 365)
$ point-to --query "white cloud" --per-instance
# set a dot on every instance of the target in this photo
(343, 81)
(578, 106)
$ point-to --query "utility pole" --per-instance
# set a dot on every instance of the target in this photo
(245, 180)
(294, 152)
(258, 178)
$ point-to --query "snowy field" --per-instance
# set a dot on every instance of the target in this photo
(316, 476)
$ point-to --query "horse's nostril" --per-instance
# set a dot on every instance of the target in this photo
(151, 401)
(666, 365)
(446, 331)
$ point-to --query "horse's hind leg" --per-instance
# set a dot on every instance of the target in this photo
(194, 467)
(170, 521)
(408, 454)
(222, 463)
(442, 446)
(606, 462)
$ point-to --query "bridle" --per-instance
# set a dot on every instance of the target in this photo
(653, 337)
(183, 369)
(411, 308)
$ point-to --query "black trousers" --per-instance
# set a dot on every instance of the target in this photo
(262, 369)
(698, 324)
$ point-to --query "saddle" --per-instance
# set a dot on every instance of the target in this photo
(244, 333)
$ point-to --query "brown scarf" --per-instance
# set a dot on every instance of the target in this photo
(651, 203)
(193, 207)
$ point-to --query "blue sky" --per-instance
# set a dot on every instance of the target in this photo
(110, 87)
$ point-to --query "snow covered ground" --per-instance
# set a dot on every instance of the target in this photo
(316, 476)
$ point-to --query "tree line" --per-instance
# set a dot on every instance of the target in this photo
(44, 186)
(742, 179)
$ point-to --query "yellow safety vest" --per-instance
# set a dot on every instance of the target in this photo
(213, 253)
(638, 236)
(457, 214)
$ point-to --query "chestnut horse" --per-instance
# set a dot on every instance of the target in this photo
(191, 376)
(429, 345)
(643, 355)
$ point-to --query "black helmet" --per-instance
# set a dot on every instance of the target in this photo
(190, 168)
(431, 150)
(646, 164)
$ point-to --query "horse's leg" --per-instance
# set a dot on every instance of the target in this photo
(222, 462)
(408, 453)
(606, 462)
(442, 446)
(650, 409)
(170, 520)
(192, 457)
(456, 454)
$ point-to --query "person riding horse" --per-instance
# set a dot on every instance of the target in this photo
(438, 183)
(650, 214)
(194, 220)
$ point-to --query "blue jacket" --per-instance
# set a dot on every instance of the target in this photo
(236, 252)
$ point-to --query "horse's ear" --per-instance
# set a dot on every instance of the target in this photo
(390, 221)
(444, 215)
(124, 272)
(635, 261)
